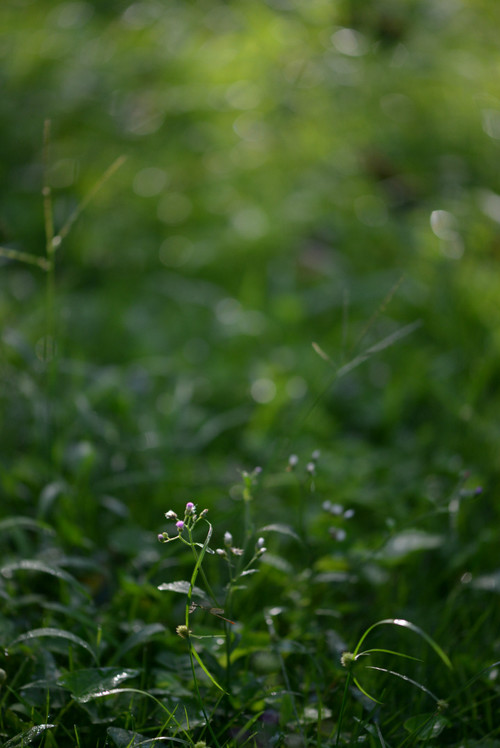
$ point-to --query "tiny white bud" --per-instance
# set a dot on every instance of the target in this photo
(228, 539)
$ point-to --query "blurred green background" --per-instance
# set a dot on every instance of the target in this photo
(297, 172)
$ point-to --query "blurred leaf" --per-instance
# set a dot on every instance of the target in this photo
(487, 582)
(281, 529)
(410, 541)
(139, 637)
(40, 566)
(426, 726)
(12, 523)
(55, 634)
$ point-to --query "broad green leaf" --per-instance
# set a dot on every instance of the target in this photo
(55, 634)
(86, 683)
(28, 736)
(43, 568)
(426, 726)
(182, 587)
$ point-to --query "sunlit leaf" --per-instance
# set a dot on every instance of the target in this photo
(85, 684)
(28, 736)
(182, 587)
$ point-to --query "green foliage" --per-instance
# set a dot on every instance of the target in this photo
(262, 234)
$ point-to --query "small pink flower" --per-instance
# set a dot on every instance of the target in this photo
(190, 507)
(179, 525)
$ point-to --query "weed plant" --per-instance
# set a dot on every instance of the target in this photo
(260, 649)
(319, 300)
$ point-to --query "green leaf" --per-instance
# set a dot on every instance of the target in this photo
(410, 541)
(26, 523)
(86, 683)
(281, 529)
(139, 637)
(416, 629)
(426, 726)
(205, 670)
(183, 588)
(28, 736)
(41, 567)
(55, 634)
(127, 739)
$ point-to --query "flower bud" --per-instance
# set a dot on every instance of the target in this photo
(228, 539)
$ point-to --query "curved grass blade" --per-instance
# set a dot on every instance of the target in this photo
(405, 678)
(205, 670)
(391, 652)
(87, 199)
(281, 529)
(416, 629)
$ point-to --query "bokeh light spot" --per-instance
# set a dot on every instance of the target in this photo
(263, 390)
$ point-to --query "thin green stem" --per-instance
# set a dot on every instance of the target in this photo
(342, 710)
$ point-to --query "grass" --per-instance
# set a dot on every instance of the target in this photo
(280, 307)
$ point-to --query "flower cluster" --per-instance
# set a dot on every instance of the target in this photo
(186, 523)
(293, 461)
(337, 510)
(230, 548)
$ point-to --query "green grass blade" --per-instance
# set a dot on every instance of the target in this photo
(412, 627)
(205, 670)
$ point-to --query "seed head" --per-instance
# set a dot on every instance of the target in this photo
(347, 659)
